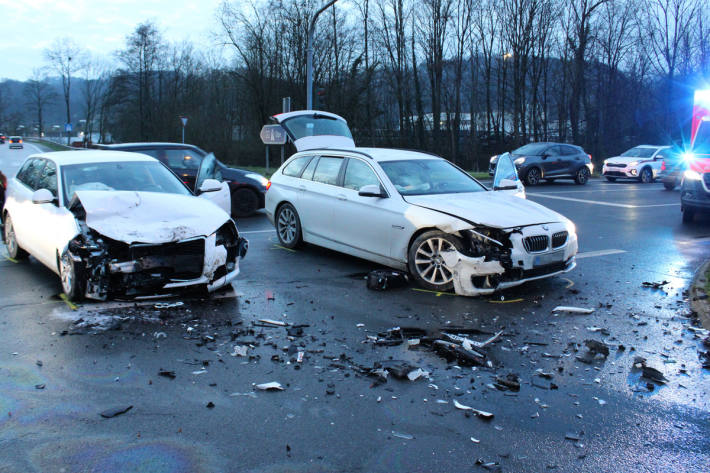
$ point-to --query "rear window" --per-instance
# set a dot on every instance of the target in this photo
(327, 171)
(534, 149)
(316, 125)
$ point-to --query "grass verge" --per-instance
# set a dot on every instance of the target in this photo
(49, 144)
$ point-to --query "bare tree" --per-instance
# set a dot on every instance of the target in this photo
(64, 56)
(39, 94)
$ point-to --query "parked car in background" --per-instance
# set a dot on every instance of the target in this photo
(247, 188)
(116, 224)
(15, 142)
(413, 211)
(549, 161)
(673, 165)
(641, 163)
(2, 139)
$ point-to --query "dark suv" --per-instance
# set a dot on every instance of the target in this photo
(247, 188)
(549, 161)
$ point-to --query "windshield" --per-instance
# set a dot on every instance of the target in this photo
(142, 176)
(316, 125)
(639, 152)
(429, 176)
(534, 149)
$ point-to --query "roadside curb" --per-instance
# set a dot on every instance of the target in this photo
(699, 301)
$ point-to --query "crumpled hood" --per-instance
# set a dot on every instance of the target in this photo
(150, 217)
(493, 209)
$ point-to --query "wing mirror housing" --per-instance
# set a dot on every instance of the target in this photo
(210, 185)
(506, 184)
(43, 196)
(371, 190)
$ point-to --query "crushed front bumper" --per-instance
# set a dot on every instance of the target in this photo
(474, 276)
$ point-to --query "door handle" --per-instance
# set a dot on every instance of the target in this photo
(303, 188)
(341, 197)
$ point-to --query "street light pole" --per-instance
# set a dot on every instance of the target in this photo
(309, 55)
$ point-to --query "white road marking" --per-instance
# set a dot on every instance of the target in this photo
(694, 241)
(594, 254)
(609, 204)
(258, 231)
(628, 189)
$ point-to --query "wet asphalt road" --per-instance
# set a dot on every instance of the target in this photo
(108, 355)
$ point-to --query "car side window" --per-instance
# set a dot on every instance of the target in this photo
(182, 159)
(30, 173)
(310, 169)
(295, 167)
(553, 151)
(327, 170)
(48, 178)
(359, 174)
(568, 151)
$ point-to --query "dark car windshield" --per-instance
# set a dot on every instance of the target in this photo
(639, 152)
(142, 176)
(316, 125)
(429, 176)
(532, 149)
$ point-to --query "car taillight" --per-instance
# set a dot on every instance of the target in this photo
(590, 157)
(268, 185)
(663, 165)
(20, 141)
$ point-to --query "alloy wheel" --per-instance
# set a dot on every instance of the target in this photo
(533, 176)
(10, 240)
(287, 225)
(430, 264)
(67, 273)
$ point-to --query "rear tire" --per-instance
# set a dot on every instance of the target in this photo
(244, 202)
(582, 176)
(669, 186)
(425, 263)
(13, 248)
(610, 179)
(288, 226)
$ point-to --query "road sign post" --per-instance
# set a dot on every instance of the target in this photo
(272, 135)
(285, 108)
(68, 128)
(183, 120)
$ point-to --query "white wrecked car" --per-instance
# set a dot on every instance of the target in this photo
(413, 211)
(116, 224)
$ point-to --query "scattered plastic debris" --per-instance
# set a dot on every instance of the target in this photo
(383, 279)
(240, 350)
(40, 386)
(572, 310)
(168, 305)
(653, 374)
(654, 285)
(272, 386)
(416, 374)
(210, 405)
(158, 335)
(276, 323)
(116, 411)
(167, 374)
(401, 435)
(483, 414)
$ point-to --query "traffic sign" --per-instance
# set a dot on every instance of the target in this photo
(67, 127)
(184, 121)
(273, 135)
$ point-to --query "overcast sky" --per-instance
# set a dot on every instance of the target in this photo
(101, 26)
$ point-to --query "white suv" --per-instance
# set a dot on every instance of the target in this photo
(642, 163)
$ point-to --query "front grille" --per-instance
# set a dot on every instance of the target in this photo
(614, 173)
(536, 243)
(559, 239)
(179, 260)
(615, 165)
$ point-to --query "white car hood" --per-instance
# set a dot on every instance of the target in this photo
(150, 217)
(626, 160)
(492, 209)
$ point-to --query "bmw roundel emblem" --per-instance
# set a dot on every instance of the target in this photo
(545, 227)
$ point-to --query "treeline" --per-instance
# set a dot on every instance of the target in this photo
(462, 78)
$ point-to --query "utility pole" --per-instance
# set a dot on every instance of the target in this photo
(309, 56)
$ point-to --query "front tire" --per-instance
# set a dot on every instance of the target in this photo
(426, 264)
(532, 178)
(646, 176)
(582, 176)
(13, 248)
(244, 202)
(688, 215)
(288, 226)
(72, 276)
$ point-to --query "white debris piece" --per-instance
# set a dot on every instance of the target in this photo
(202, 371)
(416, 374)
(484, 414)
(158, 335)
(572, 310)
(240, 350)
(360, 325)
(272, 386)
(278, 323)
(475, 440)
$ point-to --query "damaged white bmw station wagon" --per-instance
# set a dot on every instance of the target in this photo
(413, 211)
(117, 224)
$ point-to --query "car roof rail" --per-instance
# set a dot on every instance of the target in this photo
(341, 151)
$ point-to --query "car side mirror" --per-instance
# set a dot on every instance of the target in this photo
(210, 185)
(371, 190)
(506, 184)
(43, 196)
